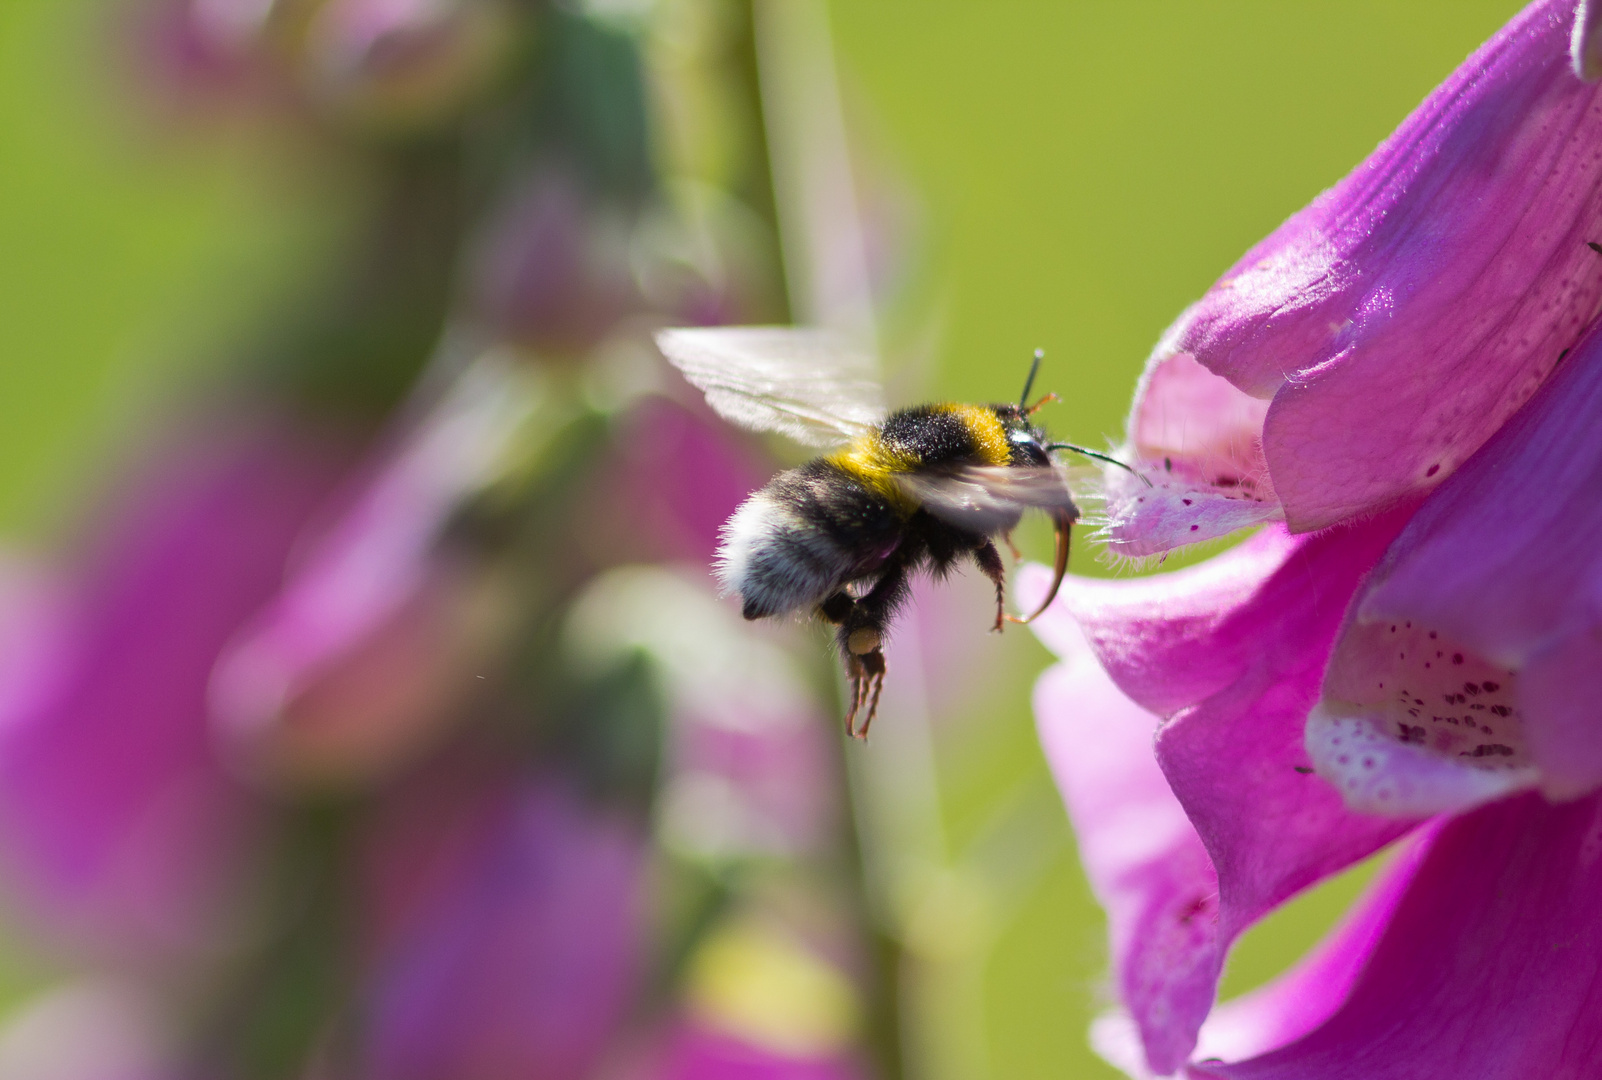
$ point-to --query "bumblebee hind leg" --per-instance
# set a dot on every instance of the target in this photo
(990, 564)
(861, 637)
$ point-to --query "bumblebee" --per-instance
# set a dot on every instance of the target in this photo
(904, 491)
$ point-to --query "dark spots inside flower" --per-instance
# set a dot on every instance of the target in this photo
(1430, 672)
(1594, 246)
(1303, 769)
(1168, 464)
(1368, 763)
(1193, 528)
(1185, 501)
(1433, 469)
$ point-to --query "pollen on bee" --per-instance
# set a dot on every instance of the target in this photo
(863, 641)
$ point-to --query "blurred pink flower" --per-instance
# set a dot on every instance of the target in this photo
(505, 932)
(1434, 649)
(403, 62)
(204, 52)
(353, 666)
(695, 1053)
(1366, 348)
(116, 819)
(673, 479)
(551, 269)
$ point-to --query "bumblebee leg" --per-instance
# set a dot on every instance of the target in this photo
(861, 636)
(871, 683)
(837, 608)
(989, 560)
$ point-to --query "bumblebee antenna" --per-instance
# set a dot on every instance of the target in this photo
(1023, 399)
(1099, 457)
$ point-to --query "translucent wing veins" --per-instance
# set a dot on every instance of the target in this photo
(810, 385)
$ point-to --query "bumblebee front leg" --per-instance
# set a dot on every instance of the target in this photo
(861, 636)
(990, 564)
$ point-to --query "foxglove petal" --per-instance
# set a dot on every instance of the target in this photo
(1291, 1005)
(117, 819)
(352, 664)
(506, 932)
(1490, 966)
(1405, 314)
(1233, 652)
(1145, 862)
(1475, 651)
(1203, 475)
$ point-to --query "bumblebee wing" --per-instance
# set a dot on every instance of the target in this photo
(984, 498)
(813, 386)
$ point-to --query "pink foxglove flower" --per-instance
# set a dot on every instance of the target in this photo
(505, 930)
(353, 666)
(1369, 345)
(118, 821)
(1403, 373)
(551, 270)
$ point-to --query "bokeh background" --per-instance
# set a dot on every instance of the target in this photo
(1061, 175)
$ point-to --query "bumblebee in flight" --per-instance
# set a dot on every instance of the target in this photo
(917, 488)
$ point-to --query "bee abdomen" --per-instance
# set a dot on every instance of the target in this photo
(802, 537)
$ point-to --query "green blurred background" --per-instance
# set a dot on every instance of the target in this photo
(1080, 172)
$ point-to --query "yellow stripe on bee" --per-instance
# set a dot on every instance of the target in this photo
(875, 463)
(989, 436)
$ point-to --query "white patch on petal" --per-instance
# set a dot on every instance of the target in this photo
(1198, 443)
(1376, 774)
(1412, 724)
(1171, 514)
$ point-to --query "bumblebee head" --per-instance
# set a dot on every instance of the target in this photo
(1027, 442)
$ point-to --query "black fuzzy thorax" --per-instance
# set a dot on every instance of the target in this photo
(930, 435)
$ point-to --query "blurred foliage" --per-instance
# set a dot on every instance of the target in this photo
(1083, 171)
